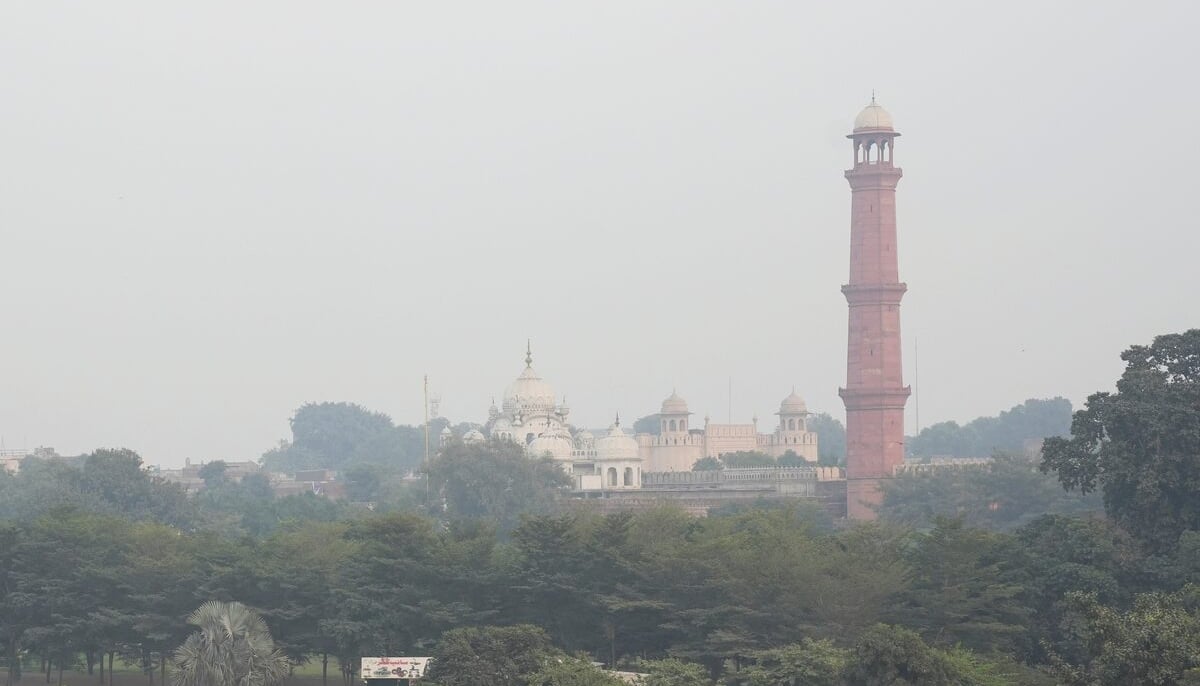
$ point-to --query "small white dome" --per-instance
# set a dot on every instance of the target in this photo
(674, 405)
(793, 404)
(555, 442)
(873, 118)
(616, 445)
(473, 436)
(446, 431)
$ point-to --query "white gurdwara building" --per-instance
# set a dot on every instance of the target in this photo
(531, 415)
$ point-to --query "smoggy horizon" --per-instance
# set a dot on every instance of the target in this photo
(212, 215)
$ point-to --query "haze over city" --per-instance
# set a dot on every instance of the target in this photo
(211, 215)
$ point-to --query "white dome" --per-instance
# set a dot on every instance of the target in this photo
(446, 431)
(616, 445)
(473, 436)
(793, 404)
(873, 117)
(674, 405)
(529, 393)
(557, 443)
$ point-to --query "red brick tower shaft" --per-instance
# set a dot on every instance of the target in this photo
(875, 393)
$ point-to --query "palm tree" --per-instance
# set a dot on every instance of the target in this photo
(232, 648)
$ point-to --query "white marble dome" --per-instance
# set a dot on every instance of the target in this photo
(793, 404)
(529, 393)
(873, 118)
(473, 436)
(616, 445)
(674, 405)
(555, 442)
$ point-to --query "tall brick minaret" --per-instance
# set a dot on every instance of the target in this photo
(875, 393)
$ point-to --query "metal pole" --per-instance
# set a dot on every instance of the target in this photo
(426, 419)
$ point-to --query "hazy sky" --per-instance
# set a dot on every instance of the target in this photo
(211, 213)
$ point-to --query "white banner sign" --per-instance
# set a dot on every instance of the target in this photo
(393, 667)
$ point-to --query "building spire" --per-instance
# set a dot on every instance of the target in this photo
(528, 354)
(617, 420)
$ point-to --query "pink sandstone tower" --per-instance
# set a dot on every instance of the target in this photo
(875, 392)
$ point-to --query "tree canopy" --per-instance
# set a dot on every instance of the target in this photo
(1140, 446)
(1010, 431)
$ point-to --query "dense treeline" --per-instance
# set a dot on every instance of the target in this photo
(961, 582)
(1009, 431)
(82, 586)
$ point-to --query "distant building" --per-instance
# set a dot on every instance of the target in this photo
(189, 475)
(676, 447)
(10, 460)
(531, 415)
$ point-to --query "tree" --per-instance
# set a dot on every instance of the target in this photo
(1140, 446)
(1001, 495)
(831, 439)
(332, 435)
(673, 672)
(957, 591)
(707, 464)
(790, 459)
(894, 656)
(1152, 643)
(812, 663)
(233, 647)
(1010, 431)
(650, 424)
(491, 656)
(215, 474)
(572, 672)
(747, 458)
(495, 479)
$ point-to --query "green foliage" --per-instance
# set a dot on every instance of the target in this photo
(813, 663)
(673, 672)
(1140, 446)
(491, 656)
(831, 439)
(650, 424)
(1001, 495)
(957, 591)
(747, 458)
(572, 672)
(790, 459)
(744, 459)
(495, 480)
(1032, 420)
(1154, 642)
(888, 655)
(335, 435)
(894, 656)
(231, 648)
(108, 481)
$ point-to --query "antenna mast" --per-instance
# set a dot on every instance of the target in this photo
(426, 403)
